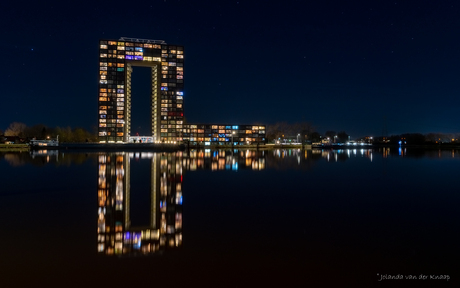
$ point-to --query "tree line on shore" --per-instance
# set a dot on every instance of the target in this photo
(306, 132)
(303, 132)
(40, 131)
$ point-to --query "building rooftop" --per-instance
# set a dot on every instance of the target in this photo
(142, 40)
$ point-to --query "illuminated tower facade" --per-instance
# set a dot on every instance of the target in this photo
(116, 61)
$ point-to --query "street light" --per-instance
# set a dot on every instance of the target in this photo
(233, 134)
(298, 137)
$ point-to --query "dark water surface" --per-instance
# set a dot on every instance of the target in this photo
(284, 218)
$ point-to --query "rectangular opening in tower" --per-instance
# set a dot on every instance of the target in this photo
(141, 102)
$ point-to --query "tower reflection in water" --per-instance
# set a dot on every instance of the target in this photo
(115, 234)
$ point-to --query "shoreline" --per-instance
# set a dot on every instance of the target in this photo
(166, 147)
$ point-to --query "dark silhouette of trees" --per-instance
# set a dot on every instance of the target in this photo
(330, 134)
(342, 137)
(315, 137)
(282, 130)
(41, 131)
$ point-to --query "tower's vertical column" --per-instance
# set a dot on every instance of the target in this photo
(129, 70)
(155, 103)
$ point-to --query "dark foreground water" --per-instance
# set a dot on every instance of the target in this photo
(283, 218)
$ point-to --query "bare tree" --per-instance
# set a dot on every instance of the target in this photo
(16, 129)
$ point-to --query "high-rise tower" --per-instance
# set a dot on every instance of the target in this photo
(116, 61)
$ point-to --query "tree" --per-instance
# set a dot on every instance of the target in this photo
(342, 136)
(315, 137)
(277, 130)
(79, 135)
(330, 134)
(16, 129)
(305, 130)
(38, 131)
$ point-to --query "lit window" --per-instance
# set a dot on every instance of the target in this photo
(103, 46)
(103, 56)
(180, 56)
(121, 48)
(112, 43)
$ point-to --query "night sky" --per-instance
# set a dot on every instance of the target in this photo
(341, 65)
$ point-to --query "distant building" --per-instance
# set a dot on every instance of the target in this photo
(220, 134)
